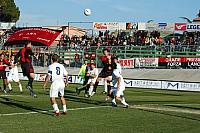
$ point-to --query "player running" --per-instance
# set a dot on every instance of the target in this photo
(57, 74)
(3, 64)
(27, 68)
(117, 91)
(13, 75)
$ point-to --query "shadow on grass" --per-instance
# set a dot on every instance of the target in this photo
(11, 103)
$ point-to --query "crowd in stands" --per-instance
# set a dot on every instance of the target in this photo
(152, 39)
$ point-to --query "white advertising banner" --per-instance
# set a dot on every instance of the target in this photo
(141, 26)
(193, 27)
(6, 25)
(146, 62)
(109, 26)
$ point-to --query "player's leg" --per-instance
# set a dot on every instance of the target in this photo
(120, 97)
(91, 88)
(5, 81)
(113, 96)
(53, 94)
(62, 99)
(16, 80)
(9, 78)
(20, 86)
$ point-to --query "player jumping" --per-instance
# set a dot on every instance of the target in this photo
(26, 66)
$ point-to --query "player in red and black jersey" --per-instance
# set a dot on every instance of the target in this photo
(106, 72)
(3, 64)
(27, 68)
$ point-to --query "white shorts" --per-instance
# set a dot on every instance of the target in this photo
(56, 88)
(93, 80)
(13, 77)
(118, 93)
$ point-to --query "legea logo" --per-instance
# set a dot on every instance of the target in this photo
(179, 26)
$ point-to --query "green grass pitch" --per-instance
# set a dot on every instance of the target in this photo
(151, 111)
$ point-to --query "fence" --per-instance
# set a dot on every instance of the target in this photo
(164, 56)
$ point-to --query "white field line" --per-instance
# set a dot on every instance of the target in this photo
(165, 109)
(36, 112)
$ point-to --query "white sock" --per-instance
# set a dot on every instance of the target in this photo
(113, 101)
(124, 102)
(91, 89)
(55, 107)
(9, 86)
(105, 86)
(20, 87)
(64, 108)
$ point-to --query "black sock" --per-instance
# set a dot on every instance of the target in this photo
(108, 88)
(95, 86)
(4, 87)
(30, 82)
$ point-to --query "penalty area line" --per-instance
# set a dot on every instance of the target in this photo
(36, 112)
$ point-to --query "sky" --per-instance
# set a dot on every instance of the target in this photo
(60, 12)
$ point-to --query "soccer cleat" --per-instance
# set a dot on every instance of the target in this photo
(114, 104)
(65, 113)
(57, 114)
(86, 95)
(107, 98)
(5, 91)
(104, 92)
(77, 91)
(125, 106)
(34, 95)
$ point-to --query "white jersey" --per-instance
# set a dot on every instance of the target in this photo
(93, 72)
(14, 70)
(116, 74)
(119, 68)
(57, 72)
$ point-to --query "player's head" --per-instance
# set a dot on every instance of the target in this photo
(55, 58)
(114, 65)
(2, 55)
(105, 51)
(92, 65)
(115, 59)
(28, 44)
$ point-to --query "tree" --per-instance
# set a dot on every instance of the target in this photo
(9, 12)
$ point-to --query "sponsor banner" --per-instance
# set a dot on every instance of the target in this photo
(44, 36)
(193, 27)
(151, 26)
(184, 86)
(6, 25)
(162, 25)
(131, 26)
(127, 63)
(146, 62)
(180, 26)
(141, 26)
(171, 62)
(143, 83)
(109, 26)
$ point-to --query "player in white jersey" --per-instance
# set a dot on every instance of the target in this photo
(93, 75)
(57, 74)
(119, 68)
(13, 75)
(117, 91)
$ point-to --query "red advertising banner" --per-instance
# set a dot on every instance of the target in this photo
(127, 63)
(44, 36)
(180, 26)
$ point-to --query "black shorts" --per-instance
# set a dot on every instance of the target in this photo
(3, 74)
(27, 68)
(104, 74)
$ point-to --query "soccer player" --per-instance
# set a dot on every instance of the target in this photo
(3, 64)
(83, 73)
(13, 75)
(93, 74)
(27, 68)
(57, 74)
(117, 91)
(106, 72)
(119, 67)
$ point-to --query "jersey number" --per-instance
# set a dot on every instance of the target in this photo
(58, 70)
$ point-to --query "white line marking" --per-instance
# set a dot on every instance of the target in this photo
(165, 109)
(36, 112)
